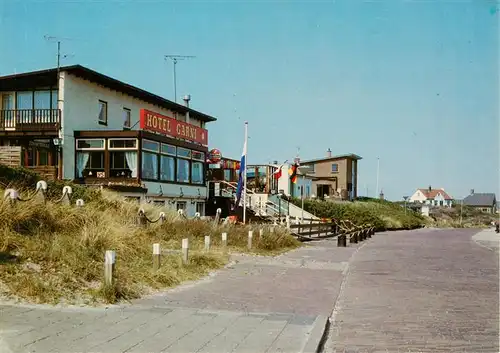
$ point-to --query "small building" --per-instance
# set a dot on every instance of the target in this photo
(78, 124)
(334, 176)
(302, 187)
(484, 202)
(433, 197)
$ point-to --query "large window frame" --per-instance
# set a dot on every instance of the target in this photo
(85, 156)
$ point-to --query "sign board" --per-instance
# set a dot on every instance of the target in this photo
(214, 156)
(217, 189)
(164, 125)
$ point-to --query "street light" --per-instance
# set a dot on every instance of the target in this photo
(303, 171)
(406, 199)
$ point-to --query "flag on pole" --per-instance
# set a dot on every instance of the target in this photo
(241, 174)
(277, 174)
(293, 172)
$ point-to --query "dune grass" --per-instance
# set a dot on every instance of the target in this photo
(51, 253)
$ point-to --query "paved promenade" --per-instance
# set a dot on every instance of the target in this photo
(421, 291)
(256, 305)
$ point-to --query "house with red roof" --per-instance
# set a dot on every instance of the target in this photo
(430, 196)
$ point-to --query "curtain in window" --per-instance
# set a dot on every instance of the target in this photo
(197, 173)
(182, 170)
(24, 101)
(42, 101)
(149, 165)
(82, 158)
(167, 171)
(131, 158)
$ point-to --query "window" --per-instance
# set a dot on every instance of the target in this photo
(183, 152)
(90, 164)
(43, 157)
(152, 146)
(182, 170)
(198, 156)
(181, 205)
(90, 144)
(159, 203)
(335, 168)
(103, 113)
(312, 170)
(167, 169)
(227, 174)
(168, 149)
(126, 118)
(123, 144)
(42, 99)
(24, 100)
(197, 173)
(200, 208)
(149, 165)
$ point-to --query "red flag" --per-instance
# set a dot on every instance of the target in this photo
(293, 173)
(277, 173)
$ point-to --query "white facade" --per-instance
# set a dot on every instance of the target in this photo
(433, 198)
(79, 104)
(418, 196)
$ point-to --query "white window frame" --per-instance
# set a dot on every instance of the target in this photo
(105, 122)
(123, 148)
(127, 111)
(91, 148)
(148, 150)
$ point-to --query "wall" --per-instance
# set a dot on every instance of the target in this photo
(81, 110)
(418, 196)
(286, 185)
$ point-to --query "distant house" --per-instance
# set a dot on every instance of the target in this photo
(430, 196)
(485, 202)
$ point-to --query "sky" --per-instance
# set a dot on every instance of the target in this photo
(414, 84)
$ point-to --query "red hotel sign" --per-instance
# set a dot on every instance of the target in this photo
(164, 125)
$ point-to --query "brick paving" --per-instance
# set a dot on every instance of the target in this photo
(257, 305)
(420, 291)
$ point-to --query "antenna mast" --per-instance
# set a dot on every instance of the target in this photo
(175, 59)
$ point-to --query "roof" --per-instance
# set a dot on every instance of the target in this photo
(326, 159)
(434, 192)
(480, 199)
(48, 78)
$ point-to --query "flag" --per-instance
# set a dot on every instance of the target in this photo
(293, 172)
(241, 174)
(277, 174)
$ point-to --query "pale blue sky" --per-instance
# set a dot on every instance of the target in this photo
(414, 83)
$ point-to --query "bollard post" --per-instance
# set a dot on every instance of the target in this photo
(261, 232)
(353, 238)
(369, 233)
(207, 242)
(12, 195)
(156, 256)
(250, 236)
(41, 189)
(162, 217)
(185, 251)
(287, 219)
(342, 241)
(141, 218)
(109, 267)
(224, 240)
(67, 191)
(80, 203)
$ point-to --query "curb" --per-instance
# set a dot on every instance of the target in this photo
(318, 335)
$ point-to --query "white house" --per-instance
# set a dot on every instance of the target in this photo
(87, 127)
(430, 196)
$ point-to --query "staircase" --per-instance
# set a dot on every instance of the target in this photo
(267, 207)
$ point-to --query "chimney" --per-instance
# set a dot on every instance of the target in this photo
(472, 191)
(329, 153)
(430, 188)
(186, 99)
(381, 196)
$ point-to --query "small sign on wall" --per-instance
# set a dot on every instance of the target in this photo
(217, 189)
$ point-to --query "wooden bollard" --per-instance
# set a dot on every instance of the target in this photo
(224, 239)
(342, 241)
(261, 232)
(353, 238)
(207, 242)
(156, 256)
(287, 220)
(250, 236)
(185, 251)
(271, 229)
(109, 267)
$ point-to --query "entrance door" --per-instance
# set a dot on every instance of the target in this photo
(323, 190)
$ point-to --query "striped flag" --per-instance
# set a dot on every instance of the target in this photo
(293, 172)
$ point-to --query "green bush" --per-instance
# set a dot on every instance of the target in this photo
(382, 214)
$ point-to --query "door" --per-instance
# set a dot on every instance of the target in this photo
(7, 117)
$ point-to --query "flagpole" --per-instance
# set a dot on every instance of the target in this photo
(245, 176)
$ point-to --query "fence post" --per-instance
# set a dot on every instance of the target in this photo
(207, 242)
(224, 240)
(41, 188)
(185, 251)
(162, 217)
(250, 236)
(261, 232)
(141, 218)
(156, 256)
(271, 229)
(80, 203)
(12, 195)
(109, 267)
(287, 222)
(67, 191)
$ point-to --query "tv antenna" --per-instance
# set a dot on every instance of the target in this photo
(175, 59)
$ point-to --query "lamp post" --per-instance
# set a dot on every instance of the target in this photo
(406, 199)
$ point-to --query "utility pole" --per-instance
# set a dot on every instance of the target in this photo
(175, 59)
(378, 173)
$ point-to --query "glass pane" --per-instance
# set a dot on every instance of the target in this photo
(24, 100)
(7, 101)
(96, 160)
(167, 171)
(43, 157)
(126, 117)
(197, 173)
(183, 170)
(168, 149)
(103, 112)
(42, 99)
(150, 145)
(90, 144)
(149, 165)
(200, 156)
(132, 143)
(54, 99)
(182, 152)
(122, 164)
(227, 174)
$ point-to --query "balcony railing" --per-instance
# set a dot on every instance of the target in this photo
(30, 119)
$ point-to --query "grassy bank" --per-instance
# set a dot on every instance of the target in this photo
(457, 217)
(384, 215)
(52, 253)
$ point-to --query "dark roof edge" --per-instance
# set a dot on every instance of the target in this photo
(93, 76)
(325, 159)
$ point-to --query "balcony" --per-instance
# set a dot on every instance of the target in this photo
(30, 121)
